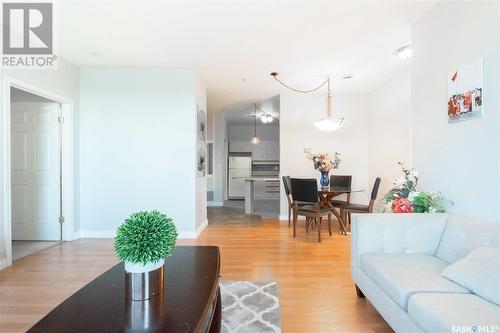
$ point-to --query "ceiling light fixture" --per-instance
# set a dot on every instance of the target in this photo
(265, 118)
(404, 52)
(348, 76)
(255, 139)
(328, 123)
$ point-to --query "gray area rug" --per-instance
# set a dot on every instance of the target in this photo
(250, 307)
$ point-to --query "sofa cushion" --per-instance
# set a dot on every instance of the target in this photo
(463, 234)
(453, 313)
(479, 272)
(401, 275)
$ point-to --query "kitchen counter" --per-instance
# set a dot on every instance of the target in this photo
(264, 178)
(250, 190)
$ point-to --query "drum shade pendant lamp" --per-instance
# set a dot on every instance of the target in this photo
(255, 139)
(329, 122)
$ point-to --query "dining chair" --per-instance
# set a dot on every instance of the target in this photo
(288, 185)
(305, 192)
(341, 181)
(349, 208)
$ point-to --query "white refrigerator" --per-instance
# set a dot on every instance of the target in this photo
(240, 167)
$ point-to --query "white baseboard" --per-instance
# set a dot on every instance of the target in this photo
(112, 233)
(4, 263)
(285, 218)
(215, 203)
(95, 234)
(191, 234)
(202, 227)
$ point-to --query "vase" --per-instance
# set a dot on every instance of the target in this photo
(143, 282)
(325, 179)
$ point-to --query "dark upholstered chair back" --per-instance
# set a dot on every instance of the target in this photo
(287, 184)
(341, 181)
(305, 190)
(375, 188)
(374, 194)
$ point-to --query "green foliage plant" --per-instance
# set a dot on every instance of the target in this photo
(145, 237)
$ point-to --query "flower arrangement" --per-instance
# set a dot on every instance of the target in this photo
(145, 237)
(404, 197)
(323, 162)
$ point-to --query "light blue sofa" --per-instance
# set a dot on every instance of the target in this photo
(397, 260)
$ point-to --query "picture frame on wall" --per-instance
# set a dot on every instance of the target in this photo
(201, 158)
(465, 92)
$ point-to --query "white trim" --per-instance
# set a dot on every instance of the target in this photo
(186, 235)
(94, 234)
(215, 203)
(191, 234)
(4, 263)
(67, 108)
(5, 165)
(285, 218)
(112, 233)
(202, 227)
(109, 234)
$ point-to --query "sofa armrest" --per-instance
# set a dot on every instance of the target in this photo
(395, 233)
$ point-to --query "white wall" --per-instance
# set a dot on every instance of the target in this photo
(297, 114)
(138, 146)
(201, 182)
(245, 132)
(460, 159)
(63, 81)
(389, 138)
(220, 134)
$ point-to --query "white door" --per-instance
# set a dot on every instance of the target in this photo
(35, 171)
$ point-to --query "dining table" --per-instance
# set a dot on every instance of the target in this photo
(327, 193)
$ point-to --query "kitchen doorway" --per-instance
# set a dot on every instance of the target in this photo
(251, 135)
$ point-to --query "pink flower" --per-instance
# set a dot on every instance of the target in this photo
(402, 205)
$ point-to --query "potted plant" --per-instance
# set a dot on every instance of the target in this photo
(405, 198)
(324, 164)
(143, 242)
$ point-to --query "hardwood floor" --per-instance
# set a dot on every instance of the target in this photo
(316, 291)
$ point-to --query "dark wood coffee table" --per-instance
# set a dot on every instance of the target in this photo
(190, 301)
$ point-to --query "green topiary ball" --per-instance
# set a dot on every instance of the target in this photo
(145, 237)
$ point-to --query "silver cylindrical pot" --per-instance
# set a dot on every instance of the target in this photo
(145, 315)
(144, 285)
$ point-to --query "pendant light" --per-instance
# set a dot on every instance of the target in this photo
(255, 139)
(328, 123)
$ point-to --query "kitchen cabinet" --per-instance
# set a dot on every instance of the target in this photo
(265, 151)
(240, 147)
(267, 189)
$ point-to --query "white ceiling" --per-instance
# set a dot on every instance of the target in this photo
(230, 41)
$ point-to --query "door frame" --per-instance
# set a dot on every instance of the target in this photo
(68, 162)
